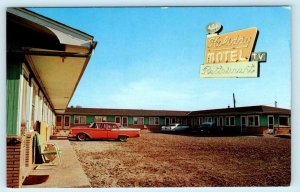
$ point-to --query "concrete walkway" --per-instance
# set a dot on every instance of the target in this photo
(68, 175)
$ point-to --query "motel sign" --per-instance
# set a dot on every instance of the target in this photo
(230, 55)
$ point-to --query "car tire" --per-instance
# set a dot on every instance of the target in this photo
(81, 137)
(122, 138)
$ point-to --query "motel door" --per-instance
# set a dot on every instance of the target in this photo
(271, 123)
(67, 122)
(59, 121)
(243, 124)
(118, 119)
(167, 121)
(124, 121)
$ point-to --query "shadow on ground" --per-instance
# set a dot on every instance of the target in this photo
(201, 134)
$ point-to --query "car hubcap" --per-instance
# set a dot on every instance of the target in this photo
(81, 137)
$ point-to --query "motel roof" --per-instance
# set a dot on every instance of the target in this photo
(249, 110)
(126, 112)
(260, 109)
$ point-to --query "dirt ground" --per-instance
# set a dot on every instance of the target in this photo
(168, 160)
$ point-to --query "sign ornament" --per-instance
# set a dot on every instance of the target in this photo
(230, 54)
(212, 28)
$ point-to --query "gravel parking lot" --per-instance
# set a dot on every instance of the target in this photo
(169, 160)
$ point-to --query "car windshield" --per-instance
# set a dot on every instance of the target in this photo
(93, 125)
(207, 124)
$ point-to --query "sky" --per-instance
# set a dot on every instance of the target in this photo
(150, 57)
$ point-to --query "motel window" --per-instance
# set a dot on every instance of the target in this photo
(34, 103)
(220, 121)
(138, 120)
(80, 120)
(283, 121)
(230, 121)
(253, 120)
(200, 120)
(101, 118)
(208, 119)
(41, 106)
(59, 120)
(53, 118)
(107, 126)
(195, 121)
(24, 95)
(183, 121)
(173, 120)
(117, 119)
(44, 110)
(26, 105)
(216, 120)
(167, 121)
(49, 115)
(153, 120)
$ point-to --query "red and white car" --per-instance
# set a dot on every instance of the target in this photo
(103, 130)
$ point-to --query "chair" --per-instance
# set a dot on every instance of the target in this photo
(49, 151)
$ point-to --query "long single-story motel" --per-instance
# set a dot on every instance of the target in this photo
(45, 61)
(250, 120)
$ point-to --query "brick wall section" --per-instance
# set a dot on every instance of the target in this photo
(154, 128)
(256, 130)
(282, 130)
(13, 152)
(265, 130)
(136, 126)
(28, 152)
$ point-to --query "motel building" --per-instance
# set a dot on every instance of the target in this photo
(134, 118)
(258, 120)
(45, 61)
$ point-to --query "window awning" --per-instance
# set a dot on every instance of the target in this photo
(58, 75)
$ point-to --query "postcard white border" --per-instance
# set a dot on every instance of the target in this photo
(295, 184)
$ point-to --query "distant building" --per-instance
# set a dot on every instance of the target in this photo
(138, 118)
(252, 119)
(249, 120)
(45, 61)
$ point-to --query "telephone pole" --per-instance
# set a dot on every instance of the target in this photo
(233, 101)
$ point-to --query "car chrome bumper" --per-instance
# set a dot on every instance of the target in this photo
(70, 137)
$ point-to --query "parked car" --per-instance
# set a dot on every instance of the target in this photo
(175, 127)
(207, 127)
(103, 130)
